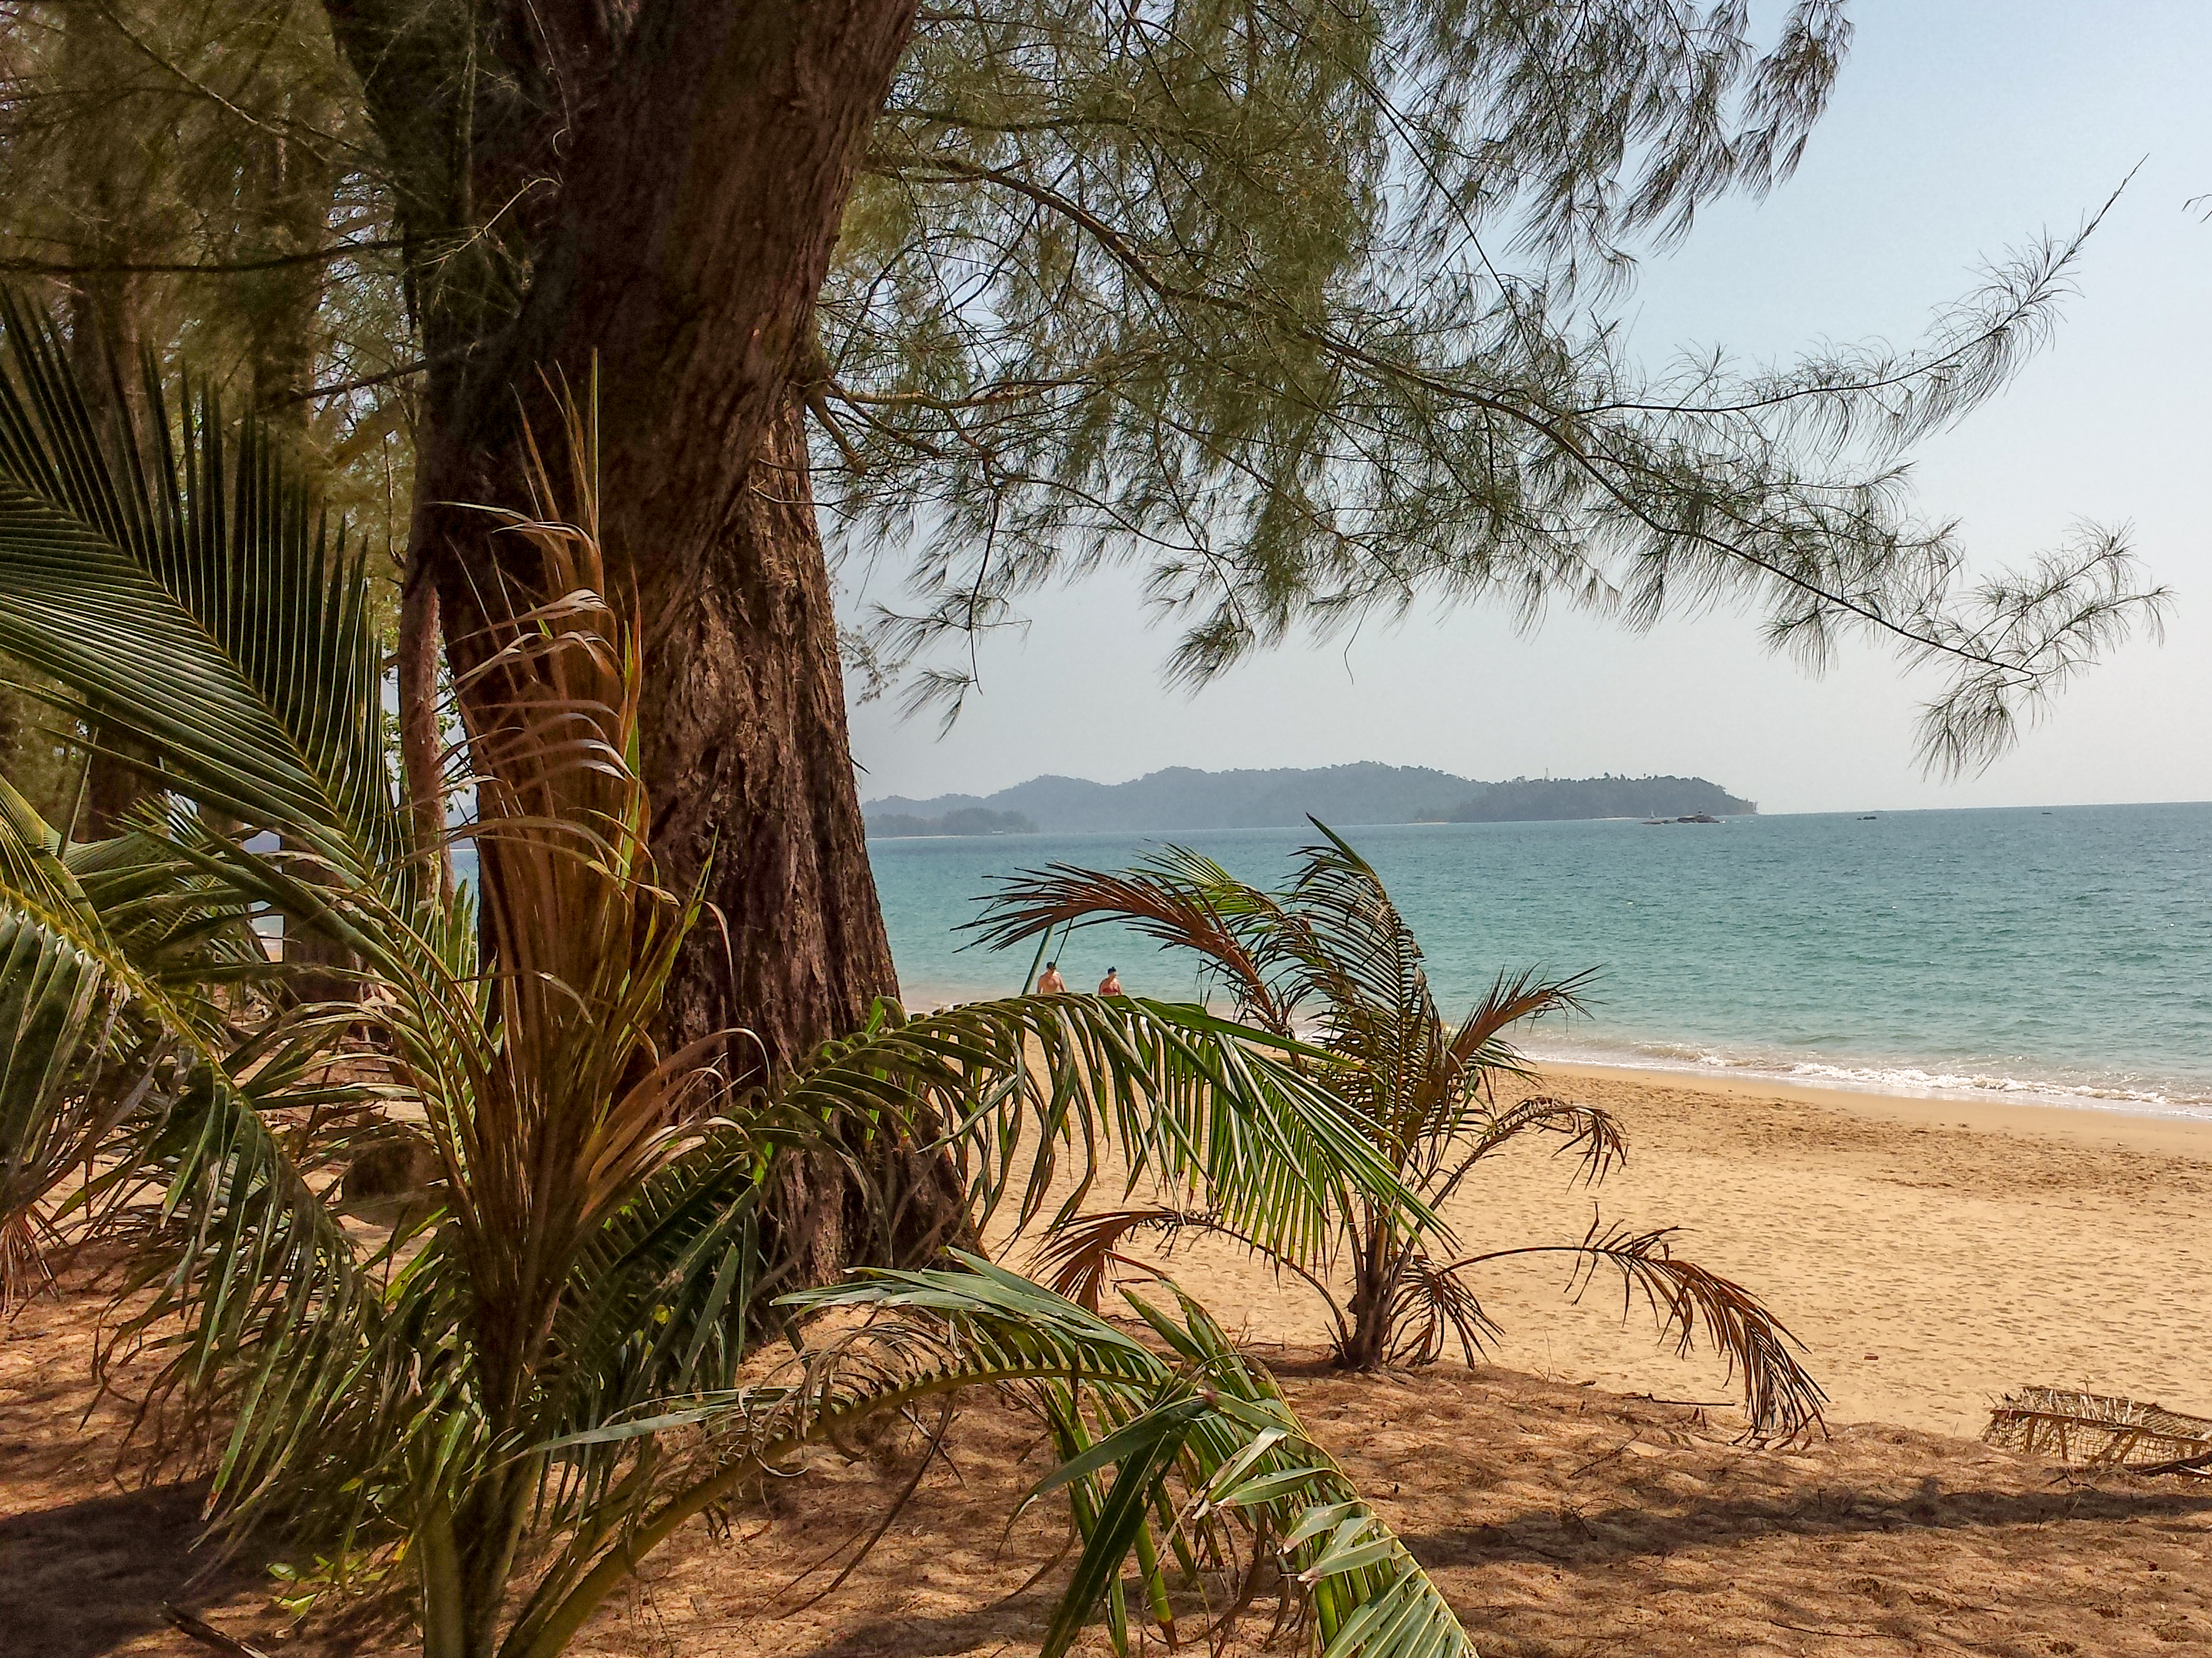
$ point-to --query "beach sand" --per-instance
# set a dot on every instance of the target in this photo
(1931, 1255)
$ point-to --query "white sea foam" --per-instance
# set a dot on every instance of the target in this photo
(2133, 1096)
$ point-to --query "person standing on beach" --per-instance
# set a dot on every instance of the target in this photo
(1111, 984)
(1052, 984)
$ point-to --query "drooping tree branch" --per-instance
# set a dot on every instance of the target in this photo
(196, 267)
(1225, 296)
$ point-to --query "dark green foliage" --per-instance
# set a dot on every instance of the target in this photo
(1180, 799)
(36, 754)
(194, 181)
(1540, 799)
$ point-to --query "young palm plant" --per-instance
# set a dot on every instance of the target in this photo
(514, 1395)
(80, 1055)
(1331, 960)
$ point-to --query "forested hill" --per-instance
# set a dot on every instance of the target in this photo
(1180, 799)
(1540, 799)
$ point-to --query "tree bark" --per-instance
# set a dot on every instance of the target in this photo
(104, 345)
(677, 284)
(104, 350)
(673, 174)
(420, 749)
(750, 767)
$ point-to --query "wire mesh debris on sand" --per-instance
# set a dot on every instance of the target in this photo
(2099, 1430)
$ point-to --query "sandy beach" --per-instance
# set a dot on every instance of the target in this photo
(1931, 1255)
(1580, 1491)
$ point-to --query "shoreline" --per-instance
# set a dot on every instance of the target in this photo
(1927, 1257)
(2088, 1123)
(1930, 1254)
(1873, 1080)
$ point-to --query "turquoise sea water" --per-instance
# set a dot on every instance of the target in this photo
(2060, 955)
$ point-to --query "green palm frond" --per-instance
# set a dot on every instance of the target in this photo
(1170, 1454)
(252, 1261)
(179, 589)
(1178, 898)
(1354, 949)
(1042, 1085)
(176, 588)
(186, 928)
(108, 1032)
(71, 1070)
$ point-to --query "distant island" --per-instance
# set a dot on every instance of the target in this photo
(962, 820)
(1181, 799)
(1546, 799)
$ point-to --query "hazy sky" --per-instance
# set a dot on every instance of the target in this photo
(1959, 130)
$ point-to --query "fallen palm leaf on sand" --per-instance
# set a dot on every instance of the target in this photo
(2101, 1430)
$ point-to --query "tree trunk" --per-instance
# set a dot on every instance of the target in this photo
(750, 766)
(420, 748)
(105, 349)
(1375, 1271)
(104, 342)
(703, 163)
(694, 232)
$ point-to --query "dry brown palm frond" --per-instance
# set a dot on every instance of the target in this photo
(2101, 1430)
(1433, 1303)
(25, 1236)
(1781, 1399)
(1592, 1131)
(1527, 995)
(1082, 1253)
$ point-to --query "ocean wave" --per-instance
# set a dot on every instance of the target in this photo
(1973, 1083)
(2131, 1096)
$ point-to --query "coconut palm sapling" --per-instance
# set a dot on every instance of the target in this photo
(1331, 959)
(497, 1397)
(82, 1057)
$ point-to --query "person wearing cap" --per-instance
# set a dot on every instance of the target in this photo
(1052, 984)
(1111, 984)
